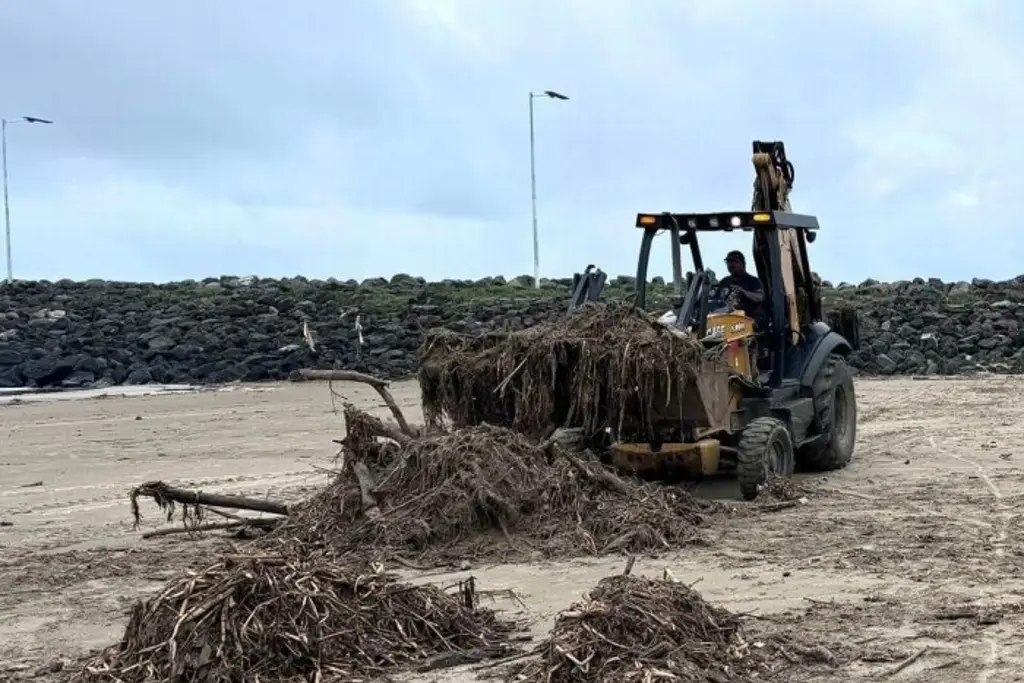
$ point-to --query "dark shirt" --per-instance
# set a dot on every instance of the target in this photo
(748, 283)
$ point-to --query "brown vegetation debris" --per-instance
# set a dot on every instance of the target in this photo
(778, 489)
(640, 629)
(489, 491)
(605, 365)
(279, 617)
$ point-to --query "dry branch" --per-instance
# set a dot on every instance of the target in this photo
(214, 526)
(909, 661)
(361, 429)
(365, 480)
(380, 385)
(167, 497)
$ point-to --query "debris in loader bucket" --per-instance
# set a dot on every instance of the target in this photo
(605, 365)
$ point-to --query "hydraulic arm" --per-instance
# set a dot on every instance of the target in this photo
(773, 182)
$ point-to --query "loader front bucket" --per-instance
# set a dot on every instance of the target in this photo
(707, 401)
(702, 400)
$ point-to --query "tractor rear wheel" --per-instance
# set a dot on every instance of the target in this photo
(835, 405)
(765, 449)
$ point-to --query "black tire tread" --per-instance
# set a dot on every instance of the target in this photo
(825, 457)
(750, 468)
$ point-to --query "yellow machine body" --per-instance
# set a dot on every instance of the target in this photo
(693, 459)
(735, 330)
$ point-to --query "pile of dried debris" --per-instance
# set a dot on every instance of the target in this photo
(640, 629)
(430, 498)
(296, 615)
(603, 364)
(487, 491)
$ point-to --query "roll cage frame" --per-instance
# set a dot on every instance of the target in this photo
(690, 300)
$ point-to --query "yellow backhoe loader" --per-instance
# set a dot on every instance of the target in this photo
(784, 398)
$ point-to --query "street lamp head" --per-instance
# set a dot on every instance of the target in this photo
(554, 95)
(35, 119)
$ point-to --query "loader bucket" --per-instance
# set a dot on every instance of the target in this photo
(707, 402)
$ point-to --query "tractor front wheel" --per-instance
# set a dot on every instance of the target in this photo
(765, 449)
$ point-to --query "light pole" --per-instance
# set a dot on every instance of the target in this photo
(533, 183)
(7, 203)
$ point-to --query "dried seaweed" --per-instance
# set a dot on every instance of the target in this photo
(604, 365)
(294, 615)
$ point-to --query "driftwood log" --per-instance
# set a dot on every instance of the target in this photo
(166, 495)
(194, 503)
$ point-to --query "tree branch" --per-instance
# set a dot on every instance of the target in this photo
(380, 385)
(166, 495)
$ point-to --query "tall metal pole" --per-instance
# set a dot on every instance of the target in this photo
(533, 195)
(533, 182)
(7, 204)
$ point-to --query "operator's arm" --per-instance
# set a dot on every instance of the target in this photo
(752, 290)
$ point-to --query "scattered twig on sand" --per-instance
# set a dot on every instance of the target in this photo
(781, 505)
(907, 662)
(268, 523)
(780, 493)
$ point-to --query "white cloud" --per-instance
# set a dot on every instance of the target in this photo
(364, 139)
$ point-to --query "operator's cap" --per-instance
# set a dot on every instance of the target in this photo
(735, 256)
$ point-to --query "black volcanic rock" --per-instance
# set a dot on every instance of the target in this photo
(79, 334)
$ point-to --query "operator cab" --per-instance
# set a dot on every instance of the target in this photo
(780, 246)
(719, 300)
(722, 299)
(793, 335)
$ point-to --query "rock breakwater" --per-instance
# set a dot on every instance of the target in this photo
(95, 333)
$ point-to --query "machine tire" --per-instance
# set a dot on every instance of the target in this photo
(835, 404)
(765, 447)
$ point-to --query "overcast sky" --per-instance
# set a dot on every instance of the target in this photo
(357, 138)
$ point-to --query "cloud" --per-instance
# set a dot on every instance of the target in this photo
(348, 139)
